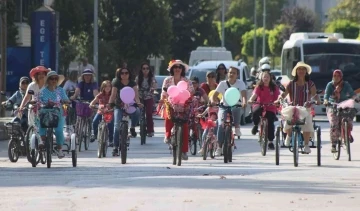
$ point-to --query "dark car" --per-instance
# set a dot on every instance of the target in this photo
(159, 80)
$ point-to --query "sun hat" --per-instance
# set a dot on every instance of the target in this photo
(339, 72)
(87, 72)
(53, 73)
(179, 62)
(36, 70)
(301, 64)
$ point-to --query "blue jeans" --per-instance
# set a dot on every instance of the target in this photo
(118, 115)
(236, 113)
(59, 131)
(95, 123)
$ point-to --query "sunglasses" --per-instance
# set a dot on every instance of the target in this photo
(145, 68)
(124, 73)
(25, 82)
(177, 66)
(53, 78)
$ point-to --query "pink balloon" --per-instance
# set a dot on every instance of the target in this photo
(173, 91)
(182, 85)
(130, 109)
(183, 96)
(127, 94)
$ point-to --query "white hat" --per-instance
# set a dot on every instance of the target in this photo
(301, 64)
(175, 62)
(265, 67)
(264, 60)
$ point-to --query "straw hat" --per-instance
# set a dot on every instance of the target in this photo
(53, 73)
(301, 64)
(175, 62)
(37, 69)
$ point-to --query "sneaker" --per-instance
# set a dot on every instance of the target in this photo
(271, 145)
(111, 144)
(254, 130)
(307, 149)
(184, 156)
(201, 151)
(237, 131)
(287, 141)
(92, 138)
(115, 152)
(60, 153)
(133, 133)
(150, 134)
(167, 140)
(333, 148)
(218, 151)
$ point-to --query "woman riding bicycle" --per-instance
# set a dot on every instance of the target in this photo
(87, 89)
(210, 83)
(265, 92)
(121, 80)
(52, 93)
(38, 75)
(337, 91)
(177, 71)
(232, 81)
(147, 85)
(103, 99)
(71, 84)
(301, 89)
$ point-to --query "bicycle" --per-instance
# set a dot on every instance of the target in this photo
(345, 113)
(103, 131)
(227, 120)
(179, 115)
(83, 123)
(210, 143)
(194, 125)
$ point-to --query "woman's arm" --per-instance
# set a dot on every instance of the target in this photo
(313, 94)
(114, 91)
(96, 100)
(252, 98)
(95, 92)
(25, 100)
(164, 93)
(76, 94)
(137, 99)
(244, 98)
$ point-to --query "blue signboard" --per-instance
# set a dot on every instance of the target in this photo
(44, 38)
(18, 65)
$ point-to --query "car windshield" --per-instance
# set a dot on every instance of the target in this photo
(201, 74)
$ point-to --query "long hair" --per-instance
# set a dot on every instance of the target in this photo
(182, 70)
(307, 77)
(103, 85)
(260, 83)
(73, 76)
(118, 73)
(217, 72)
(141, 75)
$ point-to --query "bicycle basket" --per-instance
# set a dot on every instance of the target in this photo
(295, 122)
(83, 110)
(108, 116)
(348, 113)
(177, 112)
(49, 118)
(13, 128)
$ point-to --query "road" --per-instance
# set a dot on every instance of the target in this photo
(149, 182)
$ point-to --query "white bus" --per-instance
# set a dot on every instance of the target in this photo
(324, 52)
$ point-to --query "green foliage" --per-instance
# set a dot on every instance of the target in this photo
(348, 28)
(12, 30)
(192, 24)
(213, 38)
(275, 42)
(234, 29)
(346, 10)
(248, 42)
(245, 8)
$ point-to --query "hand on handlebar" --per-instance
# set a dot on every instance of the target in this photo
(140, 105)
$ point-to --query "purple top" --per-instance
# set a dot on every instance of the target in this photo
(86, 90)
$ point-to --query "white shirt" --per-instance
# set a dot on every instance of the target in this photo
(222, 87)
(69, 85)
(35, 88)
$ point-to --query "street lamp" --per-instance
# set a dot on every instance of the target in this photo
(96, 39)
(223, 24)
(264, 28)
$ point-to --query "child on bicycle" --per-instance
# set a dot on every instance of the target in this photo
(207, 124)
(265, 92)
(102, 99)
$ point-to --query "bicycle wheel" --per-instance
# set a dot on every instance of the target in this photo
(347, 140)
(205, 148)
(192, 142)
(42, 157)
(105, 146)
(226, 144)
(80, 133)
(277, 146)
(179, 144)
(199, 132)
(318, 144)
(337, 154)
(28, 135)
(49, 148)
(124, 136)
(264, 139)
(87, 133)
(74, 158)
(13, 150)
(212, 150)
(230, 151)
(142, 128)
(100, 140)
(295, 146)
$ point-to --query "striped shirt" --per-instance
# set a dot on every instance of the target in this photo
(299, 94)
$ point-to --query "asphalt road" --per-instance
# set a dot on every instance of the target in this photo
(149, 182)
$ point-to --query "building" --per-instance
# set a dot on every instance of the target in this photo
(319, 7)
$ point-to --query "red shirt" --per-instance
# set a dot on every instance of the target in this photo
(265, 95)
(206, 87)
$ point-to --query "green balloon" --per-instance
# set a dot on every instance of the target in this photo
(232, 96)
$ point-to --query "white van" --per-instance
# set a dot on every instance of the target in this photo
(202, 68)
(209, 53)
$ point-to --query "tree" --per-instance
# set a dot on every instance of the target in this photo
(346, 10)
(248, 42)
(348, 28)
(245, 8)
(234, 29)
(12, 30)
(192, 22)
(298, 19)
(275, 42)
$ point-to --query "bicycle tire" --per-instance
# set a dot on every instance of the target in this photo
(80, 133)
(13, 150)
(226, 143)
(105, 145)
(200, 132)
(212, 151)
(124, 134)
(277, 146)
(174, 153)
(100, 140)
(337, 154)
(295, 146)
(42, 158)
(74, 158)
(143, 129)
(205, 148)
(179, 143)
(318, 144)
(230, 152)
(192, 145)
(87, 136)
(28, 134)
(49, 148)
(347, 140)
(264, 138)
(33, 158)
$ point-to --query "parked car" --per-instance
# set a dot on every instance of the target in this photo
(159, 80)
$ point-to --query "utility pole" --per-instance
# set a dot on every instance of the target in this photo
(264, 27)
(223, 24)
(96, 40)
(3, 41)
(255, 38)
